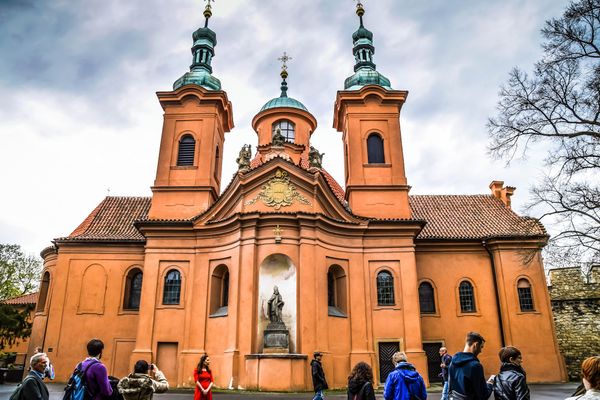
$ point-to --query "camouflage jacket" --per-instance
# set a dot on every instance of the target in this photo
(141, 386)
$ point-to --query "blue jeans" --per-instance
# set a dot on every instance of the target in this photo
(445, 391)
(319, 395)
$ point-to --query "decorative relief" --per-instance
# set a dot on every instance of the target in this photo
(279, 192)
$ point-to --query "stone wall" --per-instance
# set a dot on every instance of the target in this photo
(576, 305)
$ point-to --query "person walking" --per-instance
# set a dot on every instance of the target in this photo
(511, 381)
(204, 379)
(465, 374)
(446, 360)
(318, 376)
(404, 382)
(33, 386)
(590, 371)
(145, 380)
(96, 375)
(360, 382)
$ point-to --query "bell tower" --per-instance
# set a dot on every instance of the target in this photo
(197, 114)
(367, 112)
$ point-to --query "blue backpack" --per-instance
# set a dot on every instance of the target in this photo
(76, 388)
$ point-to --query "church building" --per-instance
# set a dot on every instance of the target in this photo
(284, 261)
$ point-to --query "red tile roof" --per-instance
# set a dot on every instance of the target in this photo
(449, 217)
(23, 299)
(113, 220)
(470, 217)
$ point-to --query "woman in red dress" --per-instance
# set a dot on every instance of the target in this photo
(204, 379)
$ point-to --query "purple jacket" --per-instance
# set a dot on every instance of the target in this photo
(97, 379)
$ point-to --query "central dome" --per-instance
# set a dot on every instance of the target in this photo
(279, 102)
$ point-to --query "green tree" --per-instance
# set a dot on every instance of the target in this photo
(558, 106)
(19, 274)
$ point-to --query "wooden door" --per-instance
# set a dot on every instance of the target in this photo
(386, 351)
(166, 361)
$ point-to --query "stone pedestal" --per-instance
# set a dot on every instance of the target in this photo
(277, 372)
(276, 338)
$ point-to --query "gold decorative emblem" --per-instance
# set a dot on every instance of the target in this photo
(279, 192)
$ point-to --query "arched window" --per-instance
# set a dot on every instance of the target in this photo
(44, 286)
(466, 297)
(219, 296)
(187, 147)
(426, 298)
(525, 295)
(287, 129)
(385, 289)
(172, 288)
(336, 291)
(133, 290)
(375, 149)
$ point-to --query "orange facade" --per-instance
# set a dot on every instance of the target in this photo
(362, 271)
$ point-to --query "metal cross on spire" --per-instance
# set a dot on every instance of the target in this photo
(284, 59)
(207, 12)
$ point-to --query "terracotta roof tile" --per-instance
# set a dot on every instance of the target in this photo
(470, 217)
(113, 220)
(23, 300)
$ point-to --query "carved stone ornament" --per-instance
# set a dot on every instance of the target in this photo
(279, 192)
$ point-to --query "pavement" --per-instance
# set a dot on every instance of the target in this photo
(538, 392)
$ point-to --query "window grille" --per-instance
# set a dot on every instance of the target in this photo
(467, 298)
(426, 298)
(172, 288)
(187, 148)
(287, 129)
(525, 295)
(385, 289)
(375, 149)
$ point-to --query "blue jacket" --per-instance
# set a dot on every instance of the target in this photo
(465, 375)
(403, 381)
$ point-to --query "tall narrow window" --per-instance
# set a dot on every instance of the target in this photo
(187, 148)
(525, 296)
(385, 289)
(133, 290)
(217, 163)
(375, 149)
(426, 298)
(287, 129)
(172, 288)
(219, 296)
(336, 291)
(44, 286)
(466, 297)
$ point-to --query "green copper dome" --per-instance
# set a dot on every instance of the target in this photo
(283, 102)
(203, 50)
(365, 72)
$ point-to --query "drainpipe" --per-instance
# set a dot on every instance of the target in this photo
(495, 281)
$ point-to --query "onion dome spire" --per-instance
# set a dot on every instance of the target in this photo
(283, 100)
(364, 67)
(203, 50)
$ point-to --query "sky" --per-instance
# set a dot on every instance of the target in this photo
(79, 117)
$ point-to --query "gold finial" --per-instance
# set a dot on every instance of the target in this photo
(208, 10)
(360, 10)
(284, 59)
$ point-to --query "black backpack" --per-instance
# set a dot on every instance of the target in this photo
(16, 394)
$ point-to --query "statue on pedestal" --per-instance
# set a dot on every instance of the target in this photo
(276, 334)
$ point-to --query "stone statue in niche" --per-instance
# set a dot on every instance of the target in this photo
(278, 138)
(275, 305)
(243, 160)
(315, 159)
(276, 334)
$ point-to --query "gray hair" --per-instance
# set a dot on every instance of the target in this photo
(36, 358)
(399, 357)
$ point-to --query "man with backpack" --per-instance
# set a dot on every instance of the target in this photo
(404, 382)
(90, 381)
(33, 386)
(465, 374)
(143, 383)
